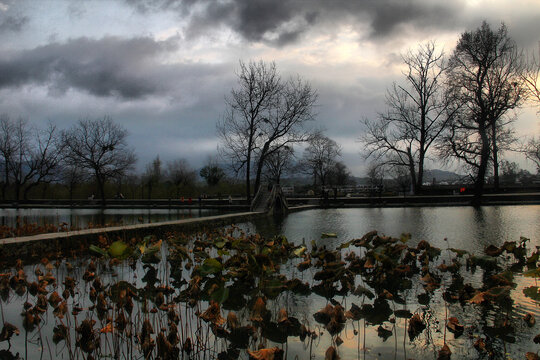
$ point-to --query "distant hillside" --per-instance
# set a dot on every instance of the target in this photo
(441, 175)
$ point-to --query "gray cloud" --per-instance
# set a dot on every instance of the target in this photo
(283, 22)
(110, 66)
(13, 23)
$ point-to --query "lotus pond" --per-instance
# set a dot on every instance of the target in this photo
(315, 284)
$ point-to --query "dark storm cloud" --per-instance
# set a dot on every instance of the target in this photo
(110, 66)
(283, 22)
(13, 23)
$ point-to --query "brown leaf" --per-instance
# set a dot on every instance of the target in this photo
(324, 315)
(430, 282)
(164, 347)
(282, 316)
(454, 325)
(479, 298)
(54, 299)
(213, 314)
(480, 345)
(492, 250)
(107, 329)
(531, 356)
(274, 353)
(444, 353)
(232, 320)
(61, 310)
(529, 319)
(304, 264)
(258, 311)
(416, 326)
(7, 331)
(369, 264)
(385, 294)
(188, 346)
(331, 354)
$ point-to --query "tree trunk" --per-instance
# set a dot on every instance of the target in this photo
(101, 188)
(5, 185)
(17, 191)
(260, 165)
(420, 178)
(71, 187)
(248, 180)
(482, 169)
(412, 171)
(27, 190)
(495, 157)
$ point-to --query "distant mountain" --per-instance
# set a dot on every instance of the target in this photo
(429, 175)
(441, 175)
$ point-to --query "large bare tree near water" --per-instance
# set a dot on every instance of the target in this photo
(100, 147)
(484, 79)
(417, 114)
(265, 113)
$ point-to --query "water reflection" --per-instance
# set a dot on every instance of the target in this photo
(468, 228)
(83, 218)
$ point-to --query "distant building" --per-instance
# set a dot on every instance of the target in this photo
(288, 190)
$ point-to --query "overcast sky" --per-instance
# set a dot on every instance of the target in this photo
(162, 68)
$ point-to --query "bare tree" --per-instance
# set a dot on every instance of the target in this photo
(531, 80)
(285, 124)
(180, 174)
(265, 113)
(278, 163)
(72, 176)
(7, 149)
(100, 147)
(401, 179)
(531, 77)
(375, 174)
(320, 158)
(153, 175)
(340, 174)
(417, 114)
(30, 156)
(510, 171)
(258, 85)
(211, 172)
(532, 151)
(484, 78)
(45, 159)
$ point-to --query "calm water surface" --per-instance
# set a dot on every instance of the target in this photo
(82, 218)
(467, 228)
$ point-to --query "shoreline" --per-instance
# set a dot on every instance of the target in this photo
(239, 204)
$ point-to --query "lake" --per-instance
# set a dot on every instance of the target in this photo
(429, 290)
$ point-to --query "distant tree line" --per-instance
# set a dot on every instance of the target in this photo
(90, 159)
